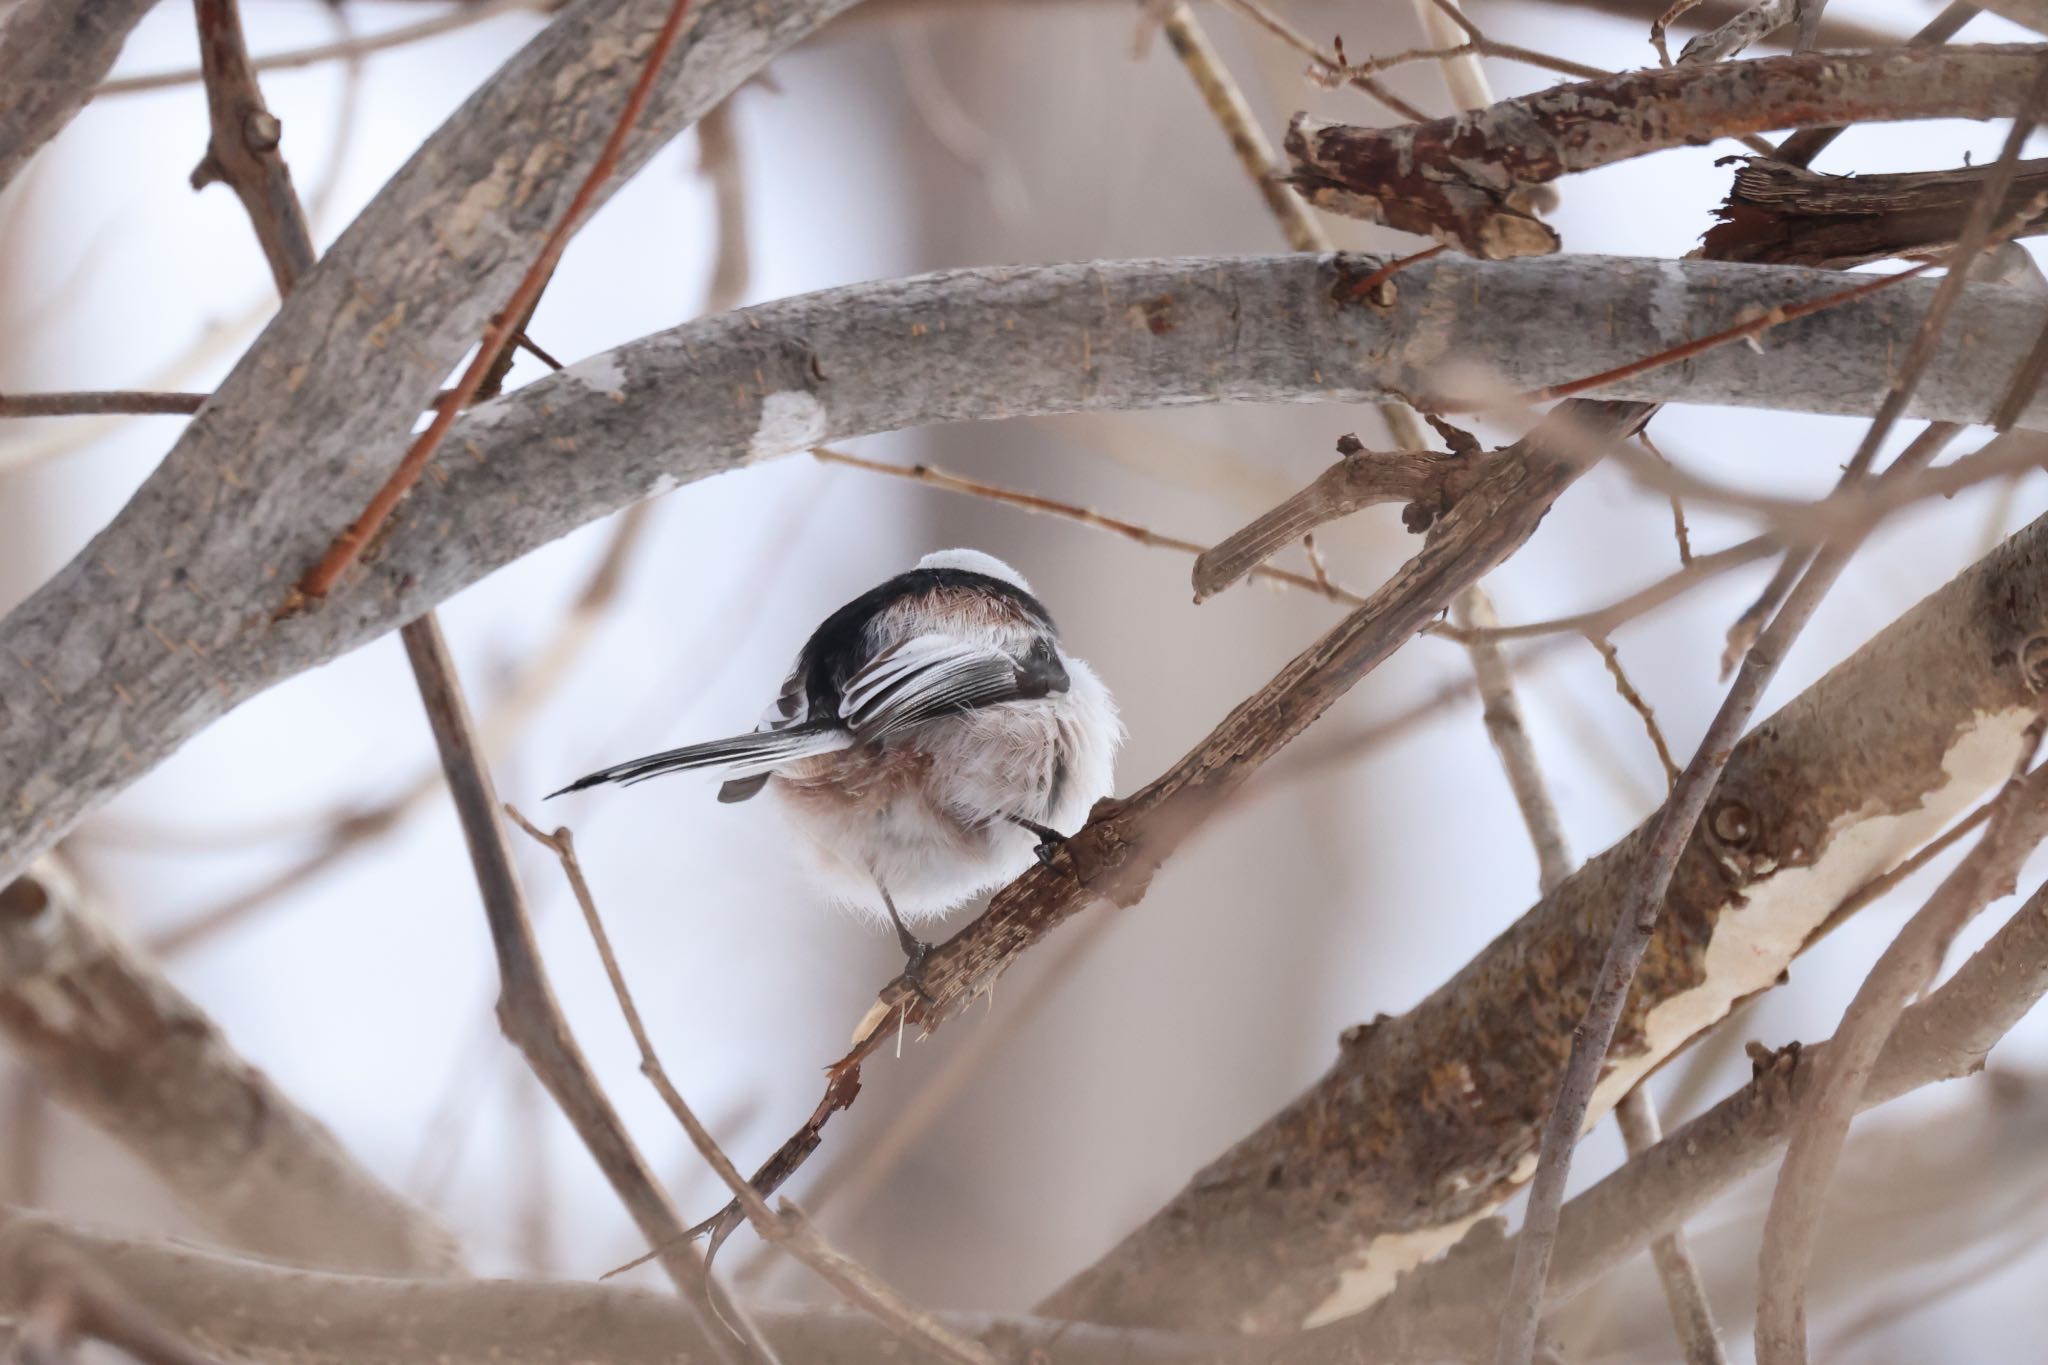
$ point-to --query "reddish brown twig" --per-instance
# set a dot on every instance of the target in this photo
(321, 578)
(1363, 287)
(1752, 327)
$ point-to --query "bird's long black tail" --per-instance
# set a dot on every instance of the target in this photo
(739, 758)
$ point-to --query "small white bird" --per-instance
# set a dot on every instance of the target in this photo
(932, 736)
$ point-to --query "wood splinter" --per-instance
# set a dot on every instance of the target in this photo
(1428, 482)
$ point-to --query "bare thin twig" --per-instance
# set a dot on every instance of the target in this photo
(719, 161)
(1603, 621)
(243, 150)
(1510, 735)
(527, 1010)
(1032, 502)
(1679, 531)
(321, 578)
(1637, 703)
(1746, 330)
(787, 1228)
(1226, 104)
(1259, 13)
(346, 49)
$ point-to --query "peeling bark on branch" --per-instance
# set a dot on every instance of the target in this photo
(1945, 1037)
(52, 54)
(162, 624)
(1312, 1214)
(1457, 179)
(1777, 214)
(110, 1038)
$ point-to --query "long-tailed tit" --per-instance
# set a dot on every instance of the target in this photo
(932, 736)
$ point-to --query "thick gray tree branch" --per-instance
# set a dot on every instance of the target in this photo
(52, 55)
(330, 391)
(165, 621)
(106, 1035)
(1426, 1122)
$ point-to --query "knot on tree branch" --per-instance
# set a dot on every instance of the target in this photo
(1427, 482)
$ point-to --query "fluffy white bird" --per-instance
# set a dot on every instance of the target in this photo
(932, 736)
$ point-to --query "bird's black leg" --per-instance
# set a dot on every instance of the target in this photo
(1049, 839)
(915, 949)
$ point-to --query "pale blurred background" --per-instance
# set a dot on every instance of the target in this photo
(1133, 1046)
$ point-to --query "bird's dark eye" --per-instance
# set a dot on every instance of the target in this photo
(1040, 672)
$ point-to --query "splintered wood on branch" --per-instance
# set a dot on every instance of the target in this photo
(1457, 179)
(109, 1037)
(114, 662)
(1425, 1122)
(1428, 481)
(1777, 214)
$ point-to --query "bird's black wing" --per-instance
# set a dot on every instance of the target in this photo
(928, 676)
